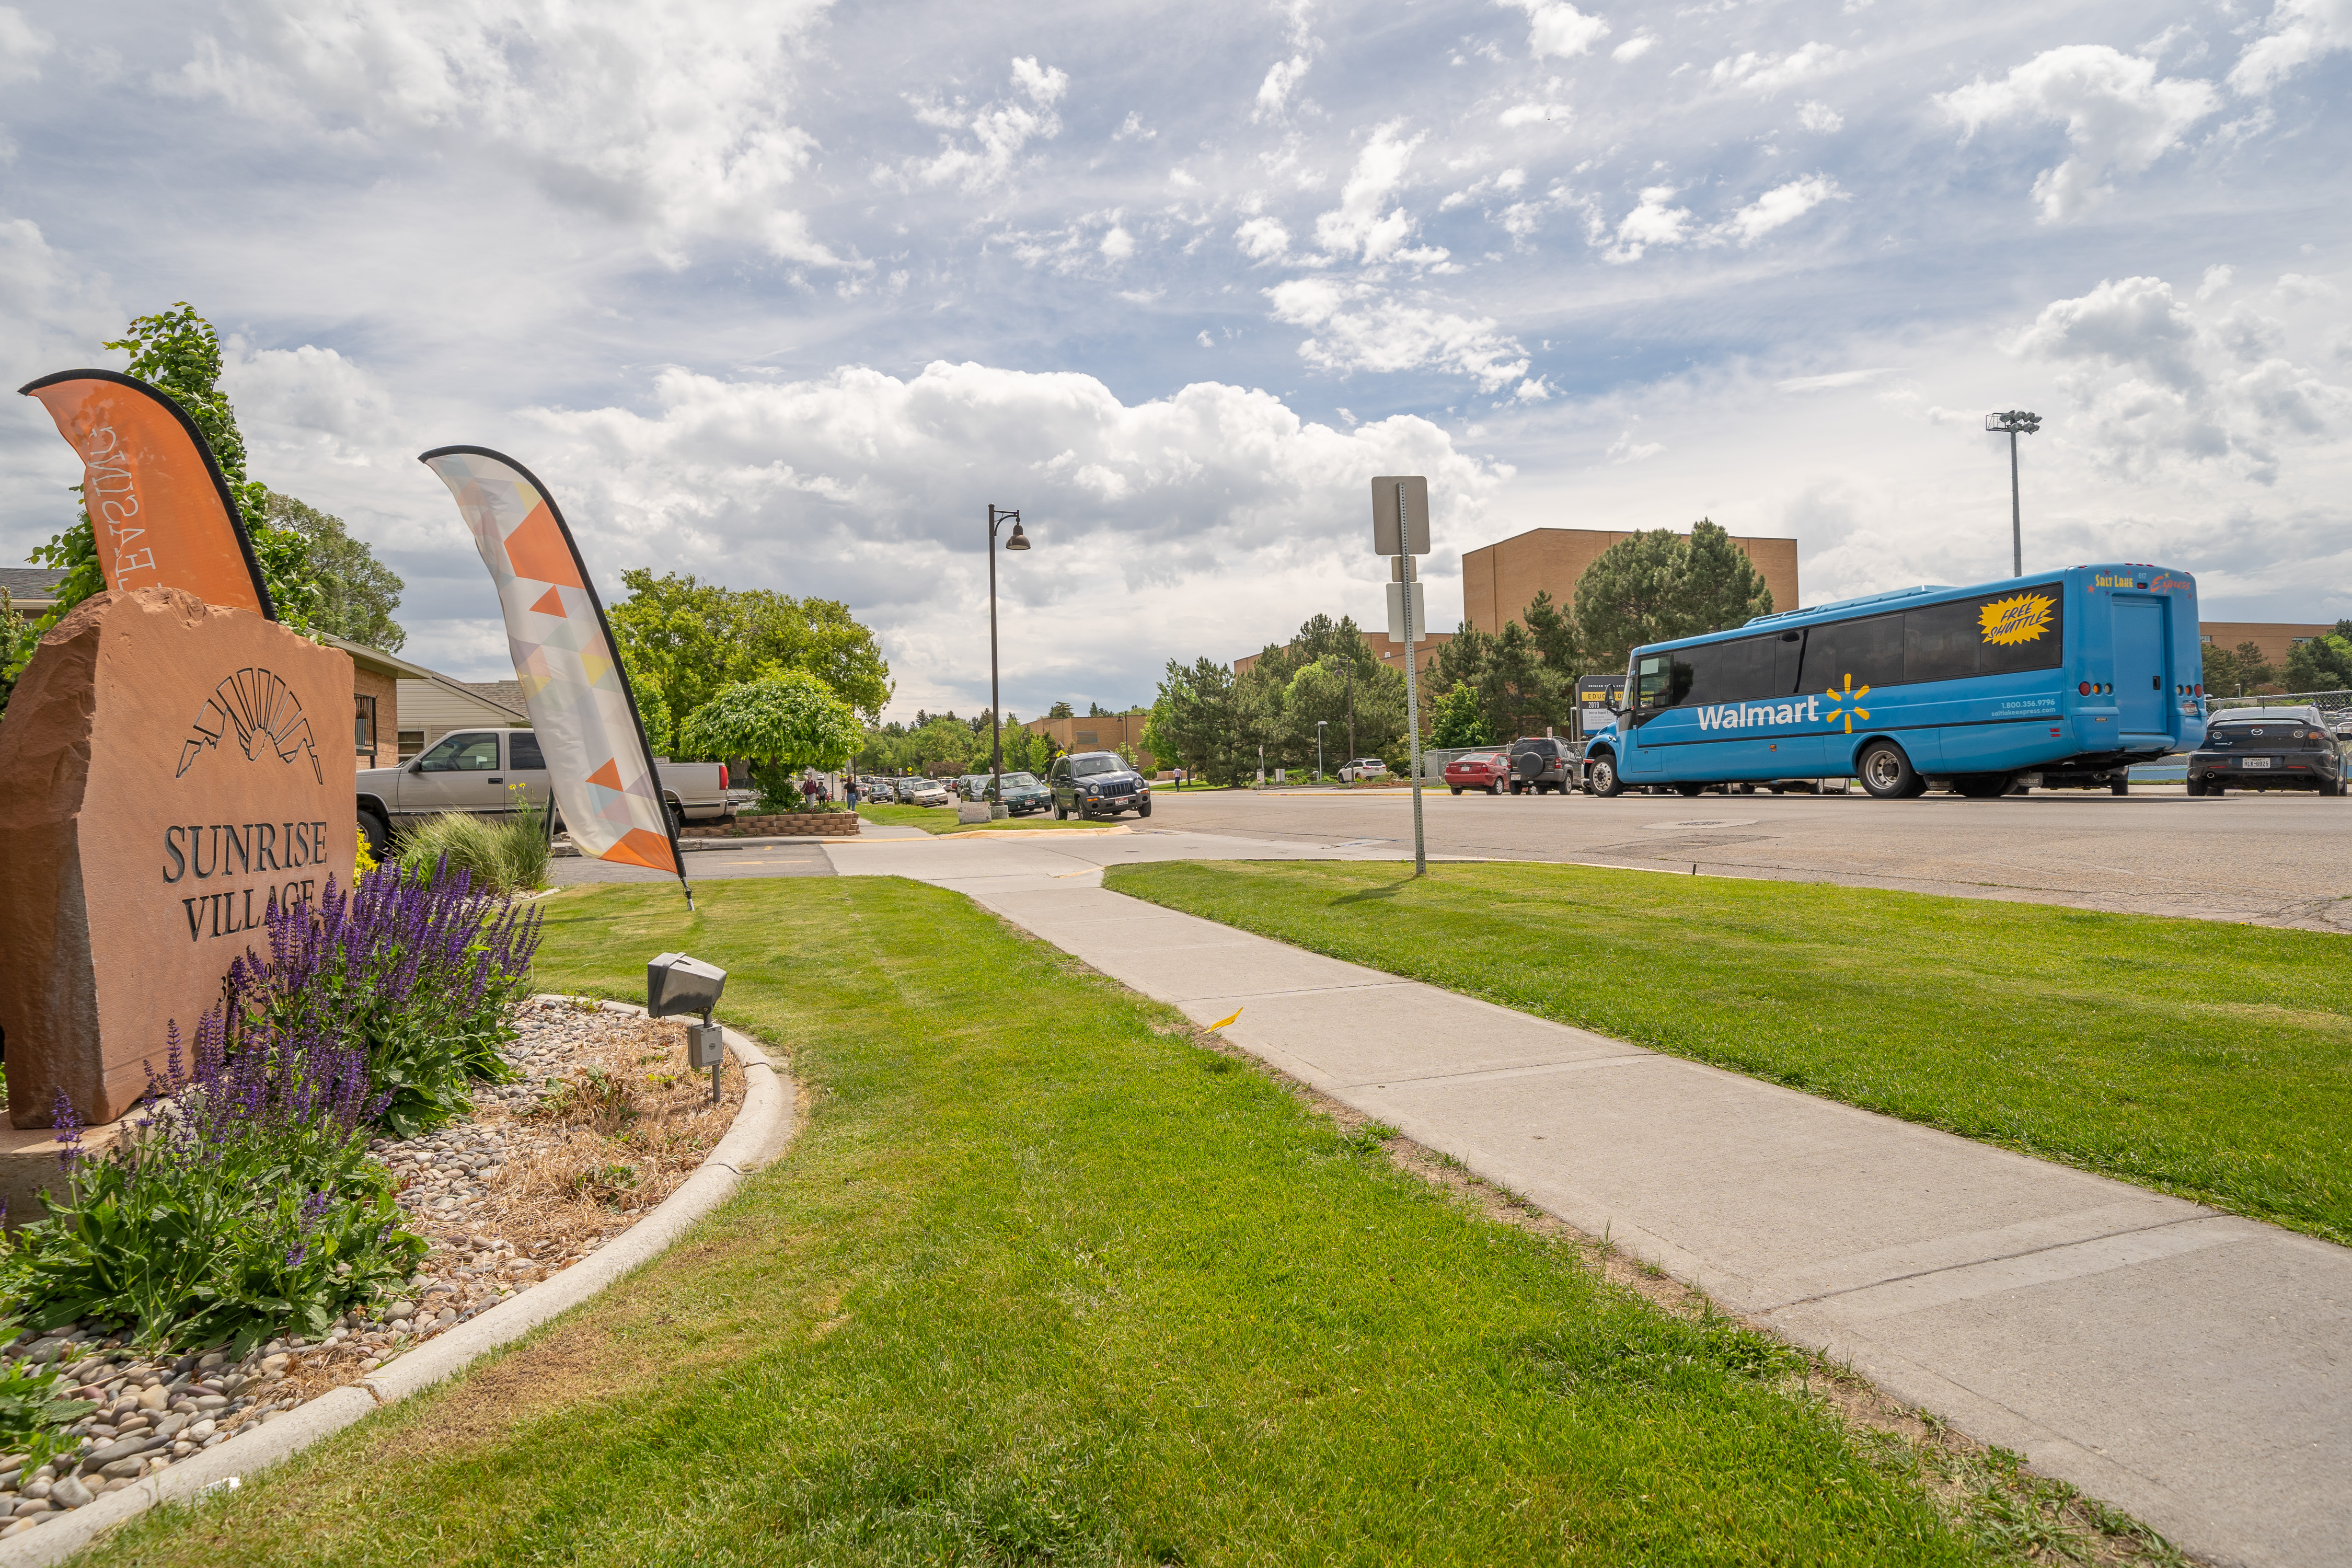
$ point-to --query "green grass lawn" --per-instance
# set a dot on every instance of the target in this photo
(2210, 1060)
(1042, 1281)
(942, 819)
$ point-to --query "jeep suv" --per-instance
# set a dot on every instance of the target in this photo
(1091, 785)
(1541, 763)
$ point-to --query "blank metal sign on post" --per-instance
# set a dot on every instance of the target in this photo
(1397, 592)
(1394, 535)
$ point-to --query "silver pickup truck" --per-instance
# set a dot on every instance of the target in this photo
(471, 770)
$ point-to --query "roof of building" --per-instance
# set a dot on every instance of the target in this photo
(507, 694)
(31, 581)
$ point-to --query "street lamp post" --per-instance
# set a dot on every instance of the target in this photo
(1319, 749)
(2015, 423)
(996, 702)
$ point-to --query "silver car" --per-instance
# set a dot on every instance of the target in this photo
(927, 791)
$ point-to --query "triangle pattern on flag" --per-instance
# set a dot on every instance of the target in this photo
(609, 775)
(549, 604)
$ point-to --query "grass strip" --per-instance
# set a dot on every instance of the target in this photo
(1042, 1280)
(941, 819)
(2210, 1060)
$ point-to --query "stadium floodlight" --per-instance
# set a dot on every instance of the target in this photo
(2015, 423)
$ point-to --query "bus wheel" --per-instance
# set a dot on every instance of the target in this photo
(1887, 773)
(1689, 790)
(1982, 786)
(1605, 782)
(2120, 787)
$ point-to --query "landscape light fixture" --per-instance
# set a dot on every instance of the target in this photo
(677, 983)
(1019, 541)
(2015, 423)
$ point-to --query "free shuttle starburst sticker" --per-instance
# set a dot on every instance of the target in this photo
(2020, 618)
(1846, 704)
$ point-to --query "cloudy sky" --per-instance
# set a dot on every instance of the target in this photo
(784, 294)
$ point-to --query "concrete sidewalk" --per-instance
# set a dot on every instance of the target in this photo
(2188, 1366)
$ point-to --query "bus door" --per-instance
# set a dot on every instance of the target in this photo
(1652, 695)
(2144, 706)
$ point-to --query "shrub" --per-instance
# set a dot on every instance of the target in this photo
(242, 1205)
(417, 973)
(498, 857)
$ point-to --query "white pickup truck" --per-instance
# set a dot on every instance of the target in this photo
(471, 770)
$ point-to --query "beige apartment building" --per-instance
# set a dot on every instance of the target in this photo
(2274, 637)
(1500, 580)
(1102, 733)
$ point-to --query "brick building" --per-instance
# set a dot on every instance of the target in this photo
(1500, 580)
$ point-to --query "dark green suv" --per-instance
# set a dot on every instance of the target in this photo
(1023, 794)
(1091, 785)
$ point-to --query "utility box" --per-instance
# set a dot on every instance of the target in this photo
(677, 983)
(705, 1046)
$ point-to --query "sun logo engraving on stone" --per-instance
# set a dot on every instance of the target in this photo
(2022, 617)
(1844, 704)
(260, 711)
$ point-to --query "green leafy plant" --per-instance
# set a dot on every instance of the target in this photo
(244, 1204)
(500, 856)
(784, 720)
(33, 1418)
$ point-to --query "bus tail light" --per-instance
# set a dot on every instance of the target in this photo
(2081, 688)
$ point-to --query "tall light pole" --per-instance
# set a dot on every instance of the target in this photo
(2015, 423)
(996, 703)
(1319, 749)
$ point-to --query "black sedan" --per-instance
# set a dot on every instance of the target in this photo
(2272, 748)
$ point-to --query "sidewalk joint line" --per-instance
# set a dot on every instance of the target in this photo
(1999, 1257)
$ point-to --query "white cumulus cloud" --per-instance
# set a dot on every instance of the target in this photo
(2298, 32)
(1262, 238)
(1769, 73)
(1557, 29)
(1651, 222)
(673, 119)
(998, 132)
(1781, 206)
(1358, 327)
(1358, 224)
(2119, 116)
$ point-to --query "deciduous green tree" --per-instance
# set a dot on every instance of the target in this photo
(782, 723)
(2323, 664)
(1460, 720)
(357, 593)
(690, 638)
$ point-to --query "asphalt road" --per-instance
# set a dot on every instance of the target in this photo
(2276, 860)
(2279, 860)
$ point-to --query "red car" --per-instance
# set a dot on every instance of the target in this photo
(1490, 771)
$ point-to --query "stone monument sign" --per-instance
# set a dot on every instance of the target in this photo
(168, 769)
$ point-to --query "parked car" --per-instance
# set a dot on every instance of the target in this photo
(969, 785)
(1488, 771)
(927, 791)
(1023, 795)
(472, 770)
(1362, 768)
(1541, 763)
(1091, 785)
(2269, 748)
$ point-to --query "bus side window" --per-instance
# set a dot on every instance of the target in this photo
(1697, 676)
(1746, 671)
(1785, 660)
(1867, 652)
(1650, 682)
(1939, 642)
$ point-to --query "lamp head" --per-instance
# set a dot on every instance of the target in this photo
(1019, 541)
(2015, 421)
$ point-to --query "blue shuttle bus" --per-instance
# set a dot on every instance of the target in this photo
(2074, 676)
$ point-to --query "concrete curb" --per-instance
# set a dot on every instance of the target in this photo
(763, 1129)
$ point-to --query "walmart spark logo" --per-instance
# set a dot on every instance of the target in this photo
(1846, 704)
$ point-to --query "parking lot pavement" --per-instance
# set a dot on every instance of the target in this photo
(2278, 860)
(2181, 1363)
(703, 865)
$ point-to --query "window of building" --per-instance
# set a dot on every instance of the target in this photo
(363, 724)
(410, 742)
